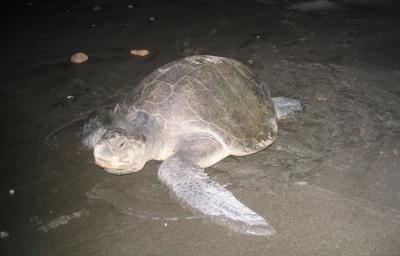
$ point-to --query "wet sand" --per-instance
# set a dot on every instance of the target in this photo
(330, 184)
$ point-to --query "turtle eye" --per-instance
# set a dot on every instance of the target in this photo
(121, 144)
(113, 133)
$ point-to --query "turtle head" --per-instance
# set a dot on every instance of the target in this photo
(119, 152)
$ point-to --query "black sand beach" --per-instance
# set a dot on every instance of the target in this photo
(330, 184)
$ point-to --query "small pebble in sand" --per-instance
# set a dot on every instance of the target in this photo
(152, 18)
(130, 6)
(70, 97)
(4, 234)
(301, 182)
(79, 57)
(97, 8)
(140, 52)
(165, 224)
(322, 98)
(11, 192)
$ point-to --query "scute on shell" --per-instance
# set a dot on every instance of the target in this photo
(215, 92)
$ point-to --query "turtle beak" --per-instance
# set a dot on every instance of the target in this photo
(105, 158)
(102, 163)
(114, 168)
(101, 154)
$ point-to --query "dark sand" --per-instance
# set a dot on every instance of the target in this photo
(330, 184)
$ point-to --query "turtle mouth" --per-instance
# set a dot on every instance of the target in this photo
(114, 168)
(120, 171)
(117, 166)
(102, 163)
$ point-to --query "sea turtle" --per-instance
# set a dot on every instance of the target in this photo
(190, 114)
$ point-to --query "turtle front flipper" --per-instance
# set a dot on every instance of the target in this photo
(187, 180)
(92, 132)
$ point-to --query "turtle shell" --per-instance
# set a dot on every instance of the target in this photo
(212, 94)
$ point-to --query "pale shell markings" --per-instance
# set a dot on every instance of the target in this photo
(205, 59)
(157, 93)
